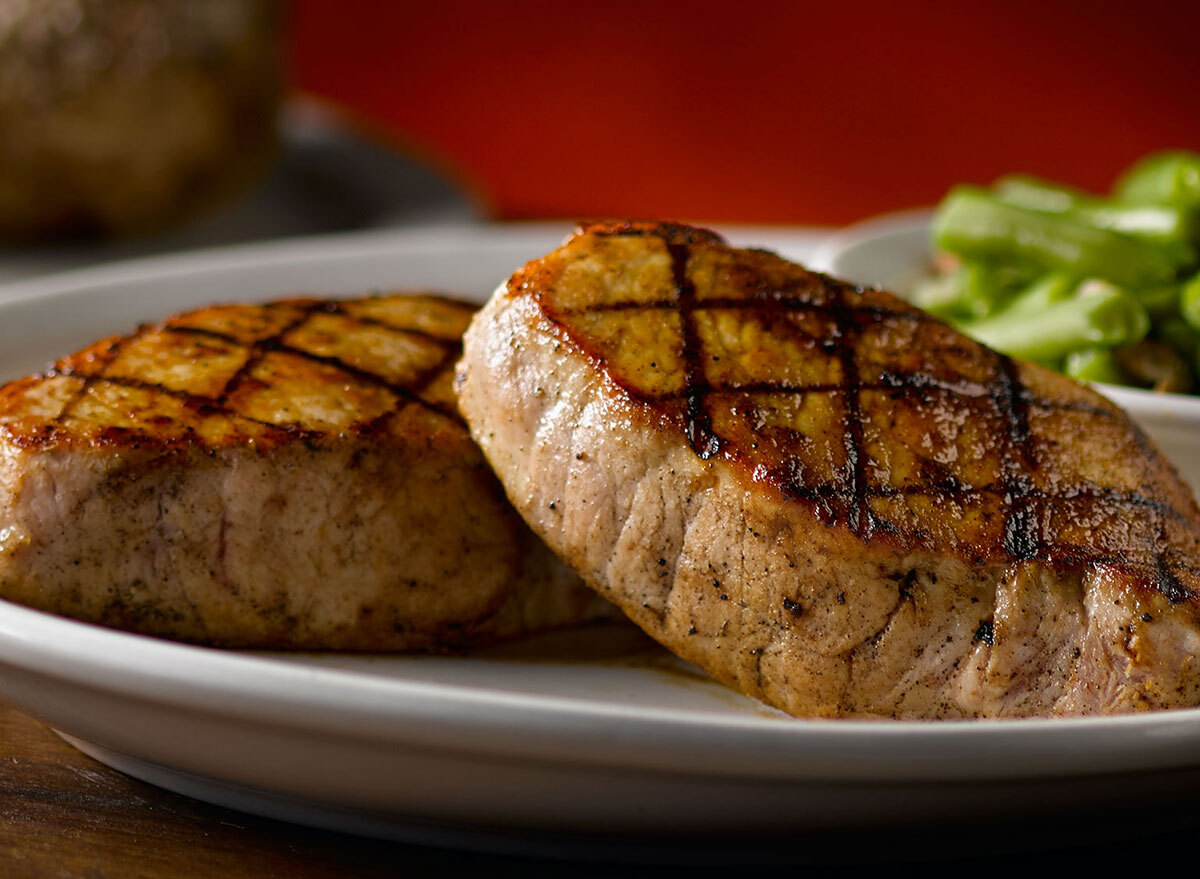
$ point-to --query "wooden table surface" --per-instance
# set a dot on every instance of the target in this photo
(64, 815)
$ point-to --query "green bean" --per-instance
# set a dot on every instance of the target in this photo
(1171, 227)
(1094, 365)
(984, 289)
(1189, 301)
(1162, 178)
(1107, 317)
(977, 226)
(939, 294)
(973, 290)
(1037, 194)
(1042, 293)
(1160, 222)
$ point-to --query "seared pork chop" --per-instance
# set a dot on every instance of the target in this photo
(292, 475)
(828, 498)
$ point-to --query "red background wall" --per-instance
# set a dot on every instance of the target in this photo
(757, 112)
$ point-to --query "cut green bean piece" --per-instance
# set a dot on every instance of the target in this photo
(1162, 223)
(983, 290)
(1189, 301)
(1162, 178)
(940, 294)
(1107, 317)
(973, 290)
(1169, 225)
(1094, 365)
(977, 226)
(1026, 191)
(1042, 293)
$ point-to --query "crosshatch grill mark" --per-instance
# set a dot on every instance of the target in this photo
(700, 434)
(89, 381)
(410, 393)
(259, 349)
(1022, 534)
(860, 518)
(1010, 398)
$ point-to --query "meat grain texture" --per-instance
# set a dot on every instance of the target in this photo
(827, 498)
(293, 475)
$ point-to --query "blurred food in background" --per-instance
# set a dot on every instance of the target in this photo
(1104, 288)
(122, 116)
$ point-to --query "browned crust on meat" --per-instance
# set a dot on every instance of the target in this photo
(895, 426)
(219, 377)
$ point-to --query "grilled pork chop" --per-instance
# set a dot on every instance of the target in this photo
(293, 475)
(827, 498)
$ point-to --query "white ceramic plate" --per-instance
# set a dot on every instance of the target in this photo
(587, 736)
(893, 251)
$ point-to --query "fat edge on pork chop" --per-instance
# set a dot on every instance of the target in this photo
(827, 498)
(291, 475)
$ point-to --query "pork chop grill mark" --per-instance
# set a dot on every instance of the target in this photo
(89, 381)
(1022, 537)
(338, 309)
(756, 300)
(203, 405)
(888, 380)
(410, 393)
(700, 434)
(859, 516)
(1022, 534)
(897, 385)
(1168, 582)
(259, 349)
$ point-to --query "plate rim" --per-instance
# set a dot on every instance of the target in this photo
(258, 689)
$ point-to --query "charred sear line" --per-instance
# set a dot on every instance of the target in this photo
(1022, 529)
(703, 440)
(897, 385)
(753, 301)
(259, 350)
(924, 381)
(89, 381)
(202, 406)
(339, 309)
(858, 512)
(1169, 584)
(275, 343)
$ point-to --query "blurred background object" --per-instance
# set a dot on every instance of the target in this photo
(135, 127)
(118, 116)
(771, 111)
(130, 127)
